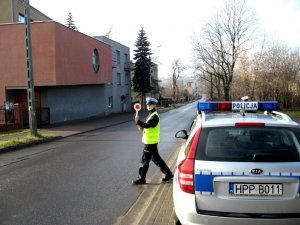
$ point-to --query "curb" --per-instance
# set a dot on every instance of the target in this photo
(160, 209)
(22, 146)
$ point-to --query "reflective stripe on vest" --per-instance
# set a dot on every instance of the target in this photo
(151, 135)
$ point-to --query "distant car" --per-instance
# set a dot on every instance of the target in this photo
(238, 167)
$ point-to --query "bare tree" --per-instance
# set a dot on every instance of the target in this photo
(278, 76)
(223, 40)
(243, 79)
(256, 63)
(210, 83)
(177, 67)
(273, 73)
(108, 34)
(247, 72)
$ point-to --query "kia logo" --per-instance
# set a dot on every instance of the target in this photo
(256, 171)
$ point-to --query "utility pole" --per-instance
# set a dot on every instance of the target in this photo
(30, 83)
(174, 87)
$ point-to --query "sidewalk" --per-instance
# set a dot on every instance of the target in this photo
(70, 128)
(81, 126)
(155, 205)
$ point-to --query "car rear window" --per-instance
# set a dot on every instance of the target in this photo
(249, 144)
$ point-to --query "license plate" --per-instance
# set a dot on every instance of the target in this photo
(246, 189)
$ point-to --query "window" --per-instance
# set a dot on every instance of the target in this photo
(21, 18)
(95, 57)
(127, 78)
(118, 57)
(126, 62)
(249, 144)
(110, 101)
(119, 78)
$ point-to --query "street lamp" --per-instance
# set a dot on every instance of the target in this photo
(30, 83)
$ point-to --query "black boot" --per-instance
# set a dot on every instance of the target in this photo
(167, 177)
(139, 181)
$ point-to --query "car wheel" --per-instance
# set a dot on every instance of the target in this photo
(176, 220)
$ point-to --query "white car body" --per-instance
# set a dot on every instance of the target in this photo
(231, 180)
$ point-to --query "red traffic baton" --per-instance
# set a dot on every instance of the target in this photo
(137, 107)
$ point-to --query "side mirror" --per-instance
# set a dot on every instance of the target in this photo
(182, 134)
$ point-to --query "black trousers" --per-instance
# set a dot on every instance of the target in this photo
(151, 153)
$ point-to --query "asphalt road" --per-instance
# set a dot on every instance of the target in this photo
(83, 179)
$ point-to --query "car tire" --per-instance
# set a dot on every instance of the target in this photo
(176, 220)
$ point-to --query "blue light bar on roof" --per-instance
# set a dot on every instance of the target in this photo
(269, 106)
(237, 106)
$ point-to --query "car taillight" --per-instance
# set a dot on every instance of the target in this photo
(186, 167)
(186, 176)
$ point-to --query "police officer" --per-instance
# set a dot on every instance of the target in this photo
(151, 137)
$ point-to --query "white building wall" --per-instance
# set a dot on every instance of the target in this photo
(67, 103)
(120, 89)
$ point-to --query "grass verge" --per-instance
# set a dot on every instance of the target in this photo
(293, 114)
(14, 132)
(29, 139)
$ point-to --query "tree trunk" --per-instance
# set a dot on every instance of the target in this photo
(226, 92)
(143, 101)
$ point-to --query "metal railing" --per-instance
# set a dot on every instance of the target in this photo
(7, 118)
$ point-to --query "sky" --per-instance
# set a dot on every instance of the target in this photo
(170, 25)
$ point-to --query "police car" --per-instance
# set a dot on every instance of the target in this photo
(238, 167)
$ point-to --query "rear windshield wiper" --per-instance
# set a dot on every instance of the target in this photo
(271, 157)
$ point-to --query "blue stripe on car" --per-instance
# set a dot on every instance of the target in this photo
(204, 181)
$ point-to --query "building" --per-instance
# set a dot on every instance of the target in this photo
(192, 88)
(70, 70)
(75, 76)
(154, 82)
(119, 91)
(12, 11)
(187, 89)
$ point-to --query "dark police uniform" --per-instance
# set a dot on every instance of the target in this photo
(151, 137)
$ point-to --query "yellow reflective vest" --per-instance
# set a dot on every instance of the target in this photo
(151, 135)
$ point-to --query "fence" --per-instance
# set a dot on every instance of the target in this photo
(7, 119)
(15, 118)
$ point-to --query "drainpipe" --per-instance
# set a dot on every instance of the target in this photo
(13, 11)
